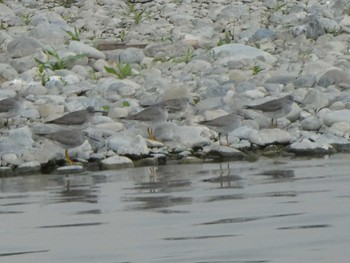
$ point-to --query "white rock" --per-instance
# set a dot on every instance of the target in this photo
(116, 161)
(270, 136)
(336, 116)
(125, 144)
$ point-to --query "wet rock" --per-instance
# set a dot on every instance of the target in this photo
(116, 162)
(28, 168)
(307, 147)
(224, 152)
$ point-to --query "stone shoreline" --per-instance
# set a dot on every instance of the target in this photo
(220, 53)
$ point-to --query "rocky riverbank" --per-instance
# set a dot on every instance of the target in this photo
(119, 55)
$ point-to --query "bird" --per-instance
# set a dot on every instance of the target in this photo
(274, 109)
(224, 124)
(153, 114)
(76, 119)
(67, 139)
(177, 107)
(10, 107)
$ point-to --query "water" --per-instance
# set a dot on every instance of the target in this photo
(280, 210)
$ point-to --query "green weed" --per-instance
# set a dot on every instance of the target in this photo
(121, 71)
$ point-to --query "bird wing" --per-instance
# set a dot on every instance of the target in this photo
(7, 104)
(72, 118)
(272, 105)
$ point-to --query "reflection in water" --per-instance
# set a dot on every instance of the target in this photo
(268, 211)
(225, 178)
(22, 253)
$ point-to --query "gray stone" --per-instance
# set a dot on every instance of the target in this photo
(311, 29)
(125, 144)
(81, 48)
(336, 116)
(270, 136)
(307, 147)
(311, 124)
(6, 13)
(116, 162)
(48, 34)
(129, 55)
(21, 47)
(28, 168)
(263, 33)
(238, 52)
(334, 77)
(7, 72)
(224, 152)
(304, 81)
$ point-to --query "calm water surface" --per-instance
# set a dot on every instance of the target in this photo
(280, 210)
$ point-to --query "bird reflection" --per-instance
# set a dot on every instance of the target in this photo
(77, 192)
(225, 178)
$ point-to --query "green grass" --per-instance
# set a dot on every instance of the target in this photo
(55, 62)
(74, 35)
(121, 71)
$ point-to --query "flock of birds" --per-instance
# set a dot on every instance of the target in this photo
(72, 135)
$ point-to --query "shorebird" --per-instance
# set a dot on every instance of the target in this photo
(153, 115)
(75, 119)
(176, 107)
(224, 124)
(10, 107)
(67, 139)
(274, 109)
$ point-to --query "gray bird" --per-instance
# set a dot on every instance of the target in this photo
(67, 139)
(224, 124)
(276, 108)
(10, 107)
(79, 118)
(176, 107)
(153, 115)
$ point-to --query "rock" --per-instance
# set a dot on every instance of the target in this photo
(311, 29)
(116, 162)
(129, 55)
(28, 168)
(307, 147)
(229, 54)
(177, 137)
(21, 47)
(70, 169)
(48, 34)
(334, 77)
(81, 48)
(224, 152)
(270, 136)
(125, 144)
(7, 72)
(311, 124)
(262, 33)
(11, 159)
(336, 116)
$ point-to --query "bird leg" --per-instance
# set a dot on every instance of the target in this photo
(274, 123)
(68, 159)
(151, 134)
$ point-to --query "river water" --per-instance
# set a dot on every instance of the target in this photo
(272, 210)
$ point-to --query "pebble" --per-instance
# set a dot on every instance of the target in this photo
(57, 56)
